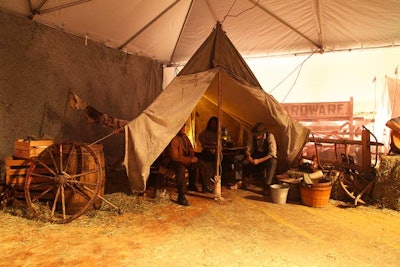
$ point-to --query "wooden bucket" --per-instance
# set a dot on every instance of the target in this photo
(316, 195)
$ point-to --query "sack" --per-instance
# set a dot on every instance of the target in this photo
(395, 142)
(394, 125)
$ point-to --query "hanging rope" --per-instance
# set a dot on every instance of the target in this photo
(375, 98)
(299, 66)
(63, 118)
(237, 15)
(291, 88)
(395, 88)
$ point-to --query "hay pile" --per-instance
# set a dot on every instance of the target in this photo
(387, 187)
(106, 214)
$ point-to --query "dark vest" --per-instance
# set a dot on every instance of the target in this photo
(260, 150)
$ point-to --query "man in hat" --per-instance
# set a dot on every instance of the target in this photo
(182, 158)
(262, 154)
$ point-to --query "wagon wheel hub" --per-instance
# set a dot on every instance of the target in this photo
(62, 179)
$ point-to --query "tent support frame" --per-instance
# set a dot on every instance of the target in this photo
(148, 24)
(319, 46)
(217, 186)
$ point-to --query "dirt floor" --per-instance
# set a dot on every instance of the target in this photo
(246, 229)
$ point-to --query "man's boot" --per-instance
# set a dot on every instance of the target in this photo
(182, 200)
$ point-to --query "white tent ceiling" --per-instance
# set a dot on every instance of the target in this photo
(171, 30)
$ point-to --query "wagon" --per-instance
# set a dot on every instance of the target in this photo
(356, 179)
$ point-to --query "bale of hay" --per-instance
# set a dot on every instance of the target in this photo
(387, 187)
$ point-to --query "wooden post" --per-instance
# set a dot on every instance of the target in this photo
(193, 128)
(217, 178)
(365, 151)
(351, 122)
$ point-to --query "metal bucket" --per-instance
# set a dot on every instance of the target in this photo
(279, 193)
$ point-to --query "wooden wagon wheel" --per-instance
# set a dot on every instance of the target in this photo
(63, 182)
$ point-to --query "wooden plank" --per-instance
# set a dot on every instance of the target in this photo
(30, 148)
(343, 165)
(17, 169)
(319, 110)
(366, 151)
(351, 125)
(28, 144)
(340, 141)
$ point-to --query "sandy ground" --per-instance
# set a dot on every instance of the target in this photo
(246, 229)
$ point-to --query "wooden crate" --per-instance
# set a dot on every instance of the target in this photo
(16, 170)
(30, 148)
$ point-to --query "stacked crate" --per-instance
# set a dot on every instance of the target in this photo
(18, 165)
(16, 170)
(30, 148)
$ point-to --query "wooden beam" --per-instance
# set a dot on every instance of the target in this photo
(341, 141)
(366, 151)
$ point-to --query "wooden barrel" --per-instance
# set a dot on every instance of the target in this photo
(80, 162)
(98, 150)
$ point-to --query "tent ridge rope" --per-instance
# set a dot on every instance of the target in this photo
(287, 76)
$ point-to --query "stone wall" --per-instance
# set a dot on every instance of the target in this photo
(40, 65)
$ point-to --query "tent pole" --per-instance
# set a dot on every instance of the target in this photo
(217, 185)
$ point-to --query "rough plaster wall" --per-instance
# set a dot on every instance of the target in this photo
(38, 67)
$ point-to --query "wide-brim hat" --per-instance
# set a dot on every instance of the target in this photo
(258, 129)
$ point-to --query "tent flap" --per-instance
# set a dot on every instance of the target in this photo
(148, 135)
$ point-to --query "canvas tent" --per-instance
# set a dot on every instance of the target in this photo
(170, 31)
(218, 75)
(393, 88)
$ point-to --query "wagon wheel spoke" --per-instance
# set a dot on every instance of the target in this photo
(81, 192)
(36, 198)
(49, 169)
(64, 213)
(69, 157)
(83, 174)
(53, 209)
(39, 175)
(49, 151)
(61, 156)
(84, 183)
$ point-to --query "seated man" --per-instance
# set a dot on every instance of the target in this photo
(208, 139)
(262, 154)
(181, 158)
